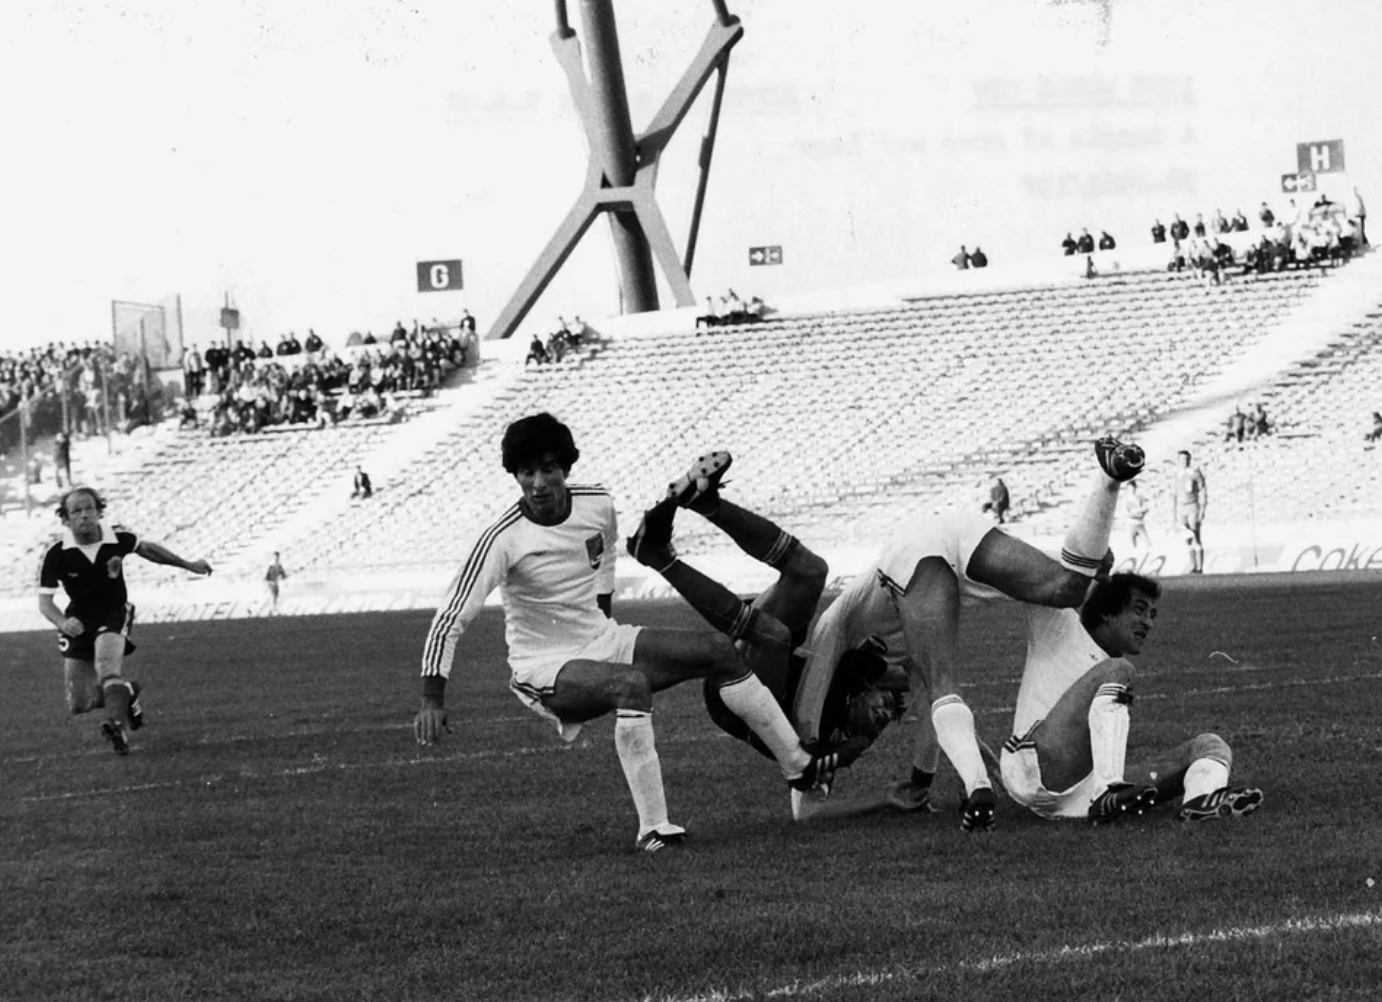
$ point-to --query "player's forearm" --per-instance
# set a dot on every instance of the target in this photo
(159, 554)
(48, 609)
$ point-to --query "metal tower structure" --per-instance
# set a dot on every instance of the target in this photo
(622, 170)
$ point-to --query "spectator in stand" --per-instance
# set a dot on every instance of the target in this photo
(1158, 233)
(710, 318)
(1069, 245)
(537, 352)
(1267, 216)
(193, 373)
(579, 329)
(369, 338)
(1237, 426)
(362, 486)
(62, 459)
(294, 345)
(282, 350)
(1376, 431)
(961, 260)
(1180, 229)
(999, 500)
(1085, 245)
(243, 355)
(1106, 241)
(467, 322)
(1199, 227)
(978, 259)
(732, 308)
(1258, 425)
(1358, 212)
(313, 345)
(1220, 224)
(265, 350)
(1240, 222)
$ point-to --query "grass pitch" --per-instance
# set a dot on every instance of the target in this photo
(277, 834)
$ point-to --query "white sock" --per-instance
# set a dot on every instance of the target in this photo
(1204, 776)
(750, 701)
(954, 723)
(1109, 722)
(1087, 541)
(633, 740)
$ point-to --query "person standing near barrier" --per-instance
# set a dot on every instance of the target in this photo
(272, 577)
(1191, 495)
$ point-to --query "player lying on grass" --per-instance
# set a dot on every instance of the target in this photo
(87, 562)
(1068, 753)
(553, 554)
(904, 610)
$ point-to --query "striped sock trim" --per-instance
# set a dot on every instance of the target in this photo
(738, 681)
(1080, 563)
(1115, 691)
(944, 701)
(743, 622)
(633, 714)
(780, 550)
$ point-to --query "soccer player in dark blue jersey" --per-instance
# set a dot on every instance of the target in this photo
(93, 631)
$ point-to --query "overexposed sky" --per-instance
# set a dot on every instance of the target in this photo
(303, 156)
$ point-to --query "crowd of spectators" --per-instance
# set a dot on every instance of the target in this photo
(1086, 244)
(307, 383)
(100, 386)
(730, 310)
(1312, 233)
(563, 341)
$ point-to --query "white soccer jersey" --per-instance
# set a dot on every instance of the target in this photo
(866, 611)
(1059, 653)
(549, 577)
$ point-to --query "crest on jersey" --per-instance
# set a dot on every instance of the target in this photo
(113, 566)
(595, 550)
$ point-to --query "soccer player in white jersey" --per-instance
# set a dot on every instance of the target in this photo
(904, 610)
(1067, 756)
(552, 554)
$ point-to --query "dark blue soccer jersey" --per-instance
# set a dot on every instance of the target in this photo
(95, 585)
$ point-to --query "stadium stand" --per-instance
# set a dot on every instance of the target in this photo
(841, 421)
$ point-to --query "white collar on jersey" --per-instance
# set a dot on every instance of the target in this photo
(69, 541)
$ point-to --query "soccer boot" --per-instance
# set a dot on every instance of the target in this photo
(820, 771)
(662, 837)
(651, 542)
(136, 711)
(699, 487)
(114, 732)
(905, 795)
(1121, 462)
(976, 810)
(1223, 804)
(1119, 801)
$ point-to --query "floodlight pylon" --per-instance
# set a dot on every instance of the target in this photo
(621, 173)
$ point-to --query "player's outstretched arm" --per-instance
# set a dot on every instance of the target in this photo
(159, 554)
(430, 722)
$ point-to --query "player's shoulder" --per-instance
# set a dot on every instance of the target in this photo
(590, 491)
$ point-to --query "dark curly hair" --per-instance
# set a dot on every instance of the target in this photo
(1109, 598)
(529, 439)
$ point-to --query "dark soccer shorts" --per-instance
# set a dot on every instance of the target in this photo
(83, 648)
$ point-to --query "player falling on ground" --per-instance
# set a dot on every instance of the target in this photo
(904, 610)
(93, 631)
(553, 555)
(1067, 756)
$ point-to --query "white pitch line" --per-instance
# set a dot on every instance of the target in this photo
(919, 973)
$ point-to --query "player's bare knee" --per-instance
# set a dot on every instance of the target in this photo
(1213, 747)
(808, 569)
(1115, 670)
(768, 629)
(629, 689)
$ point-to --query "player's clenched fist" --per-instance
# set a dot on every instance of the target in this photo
(429, 723)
